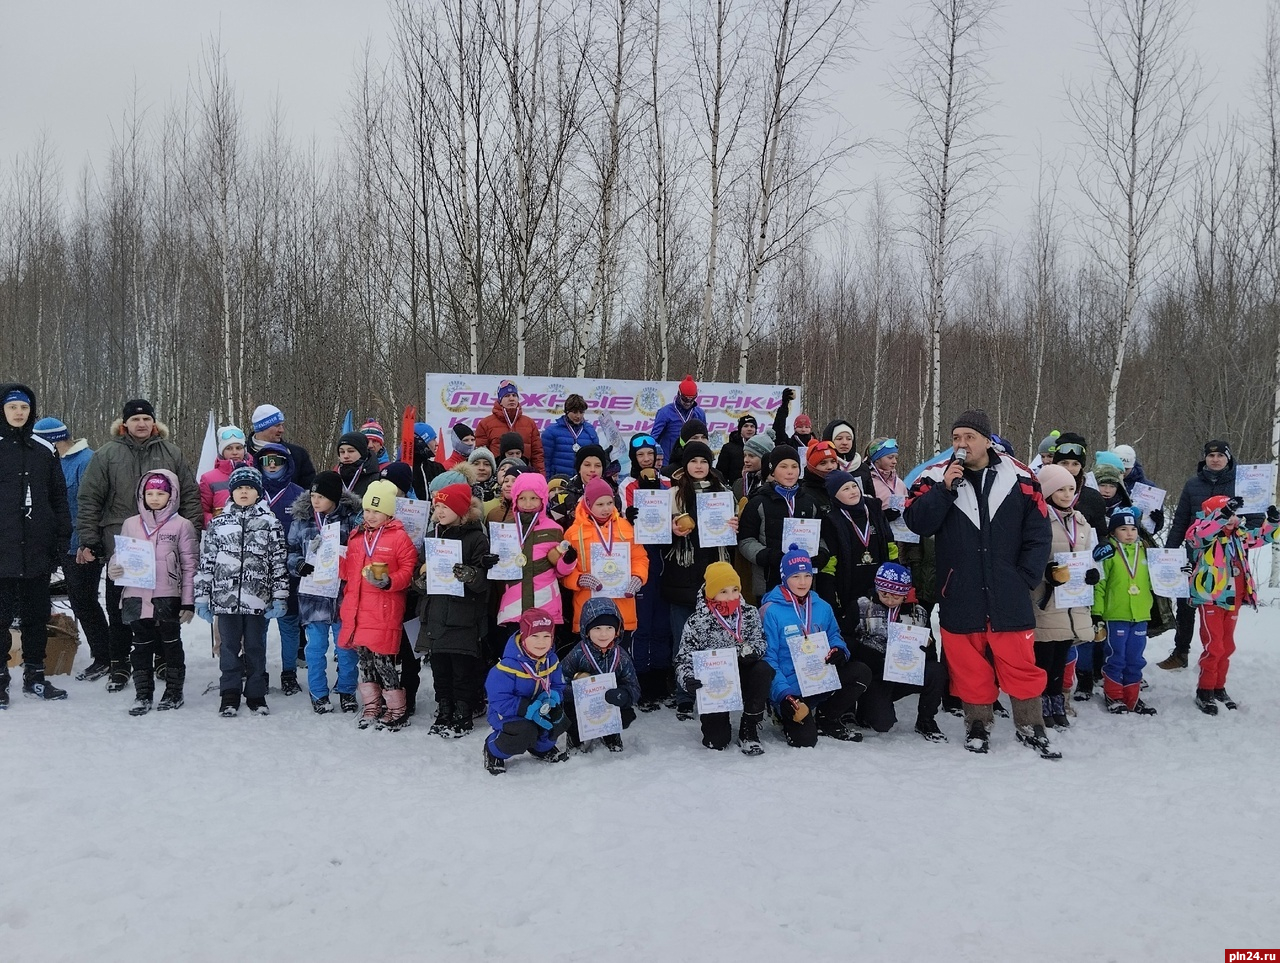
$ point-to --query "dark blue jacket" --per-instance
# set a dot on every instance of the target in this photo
(1203, 484)
(666, 427)
(558, 442)
(314, 608)
(510, 686)
(1136, 476)
(579, 659)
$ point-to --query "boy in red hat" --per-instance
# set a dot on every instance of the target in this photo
(509, 418)
(671, 418)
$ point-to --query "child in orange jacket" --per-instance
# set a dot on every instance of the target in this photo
(597, 522)
(378, 568)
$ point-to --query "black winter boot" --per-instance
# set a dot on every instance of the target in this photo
(289, 683)
(118, 677)
(175, 681)
(749, 734)
(144, 689)
(34, 685)
(444, 720)
(462, 723)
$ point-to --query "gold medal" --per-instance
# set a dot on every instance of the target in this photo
(521, 561)
(1133, 590)
(866, 558)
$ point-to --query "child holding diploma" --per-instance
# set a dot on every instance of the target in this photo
(1221, 583)
(376, 573)
(452, 628)
(793, 611)
(605, 555)
(1122, 606)
(597, 652)
(545, 555)
(526, 696)
(326, 504)
(156, 615)
(723, 621)
(894, 602)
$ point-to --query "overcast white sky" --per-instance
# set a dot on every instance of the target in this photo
(69, 68)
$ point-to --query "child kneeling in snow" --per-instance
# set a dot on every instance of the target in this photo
(1221, 583)
(722, 620)
(526, 696)
(596, 653)
(875, 708)
(376, 573)
(792, 611)
(1122, 600)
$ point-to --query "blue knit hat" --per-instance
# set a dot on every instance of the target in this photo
(837, 479)
(245, 476)
(1124, 515)
(51, 430)
(795, 562)
(424, 431)
(893, 579)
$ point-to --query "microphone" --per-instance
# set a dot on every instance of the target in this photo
(961, 455)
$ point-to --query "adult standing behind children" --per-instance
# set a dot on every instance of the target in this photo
(35, 530)
(508, 417)
(268, 428)
(993, 539)
(672, 417)
(566, 436)
(108, 495)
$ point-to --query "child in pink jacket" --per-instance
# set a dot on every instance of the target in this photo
(547, 556)
(156, 615)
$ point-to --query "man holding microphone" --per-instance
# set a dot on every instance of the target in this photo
(992, 537)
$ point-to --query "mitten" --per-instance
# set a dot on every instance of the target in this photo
(1099, 629)
(187, 614)
(837, 657)
(115, 570)
(539, 713)
(692, 684)
(1103, 552)
(793, 709)
(488, 561)
(892, 514)
(382, 583)
(631, 514)
(588, 581)
(1157, 519)
(788, 394)
(280, 608)
(634, 585)
(465, 573)
(618, 697)
(1056, 574)
(203, 610)
(1234, 504)
(305, 569)
(554, 698)
(1273, 514)
(569, 554)
(1092, 577)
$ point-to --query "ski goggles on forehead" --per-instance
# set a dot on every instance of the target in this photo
(1071, 448)
(891, 443)
(645, 441)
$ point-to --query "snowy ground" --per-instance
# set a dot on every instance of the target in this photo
(184, 836)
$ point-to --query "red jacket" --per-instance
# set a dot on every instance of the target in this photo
(492, 427)
(373, 617)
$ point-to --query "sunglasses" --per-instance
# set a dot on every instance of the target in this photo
(1069, 449)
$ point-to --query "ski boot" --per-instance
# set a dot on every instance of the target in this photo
(34, 685)
(94, 671)
(1142, 709)
(1117, 707)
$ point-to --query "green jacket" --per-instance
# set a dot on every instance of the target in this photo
(1111, 598)
(109, 488)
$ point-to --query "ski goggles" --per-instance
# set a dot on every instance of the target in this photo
(644, 441)
(1070, 448)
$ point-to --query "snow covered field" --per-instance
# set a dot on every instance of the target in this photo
(184, 836)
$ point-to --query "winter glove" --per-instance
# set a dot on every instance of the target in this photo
(1056, 574)
(305, 569)
(1234, 504)
(631, 514)
(115, 570)
(1103, 552)
(313, 546)
(569, 554)
(837, 657)
(276, 610)
(892, 514)
(788, 394)
(793, 709)
(466, 573)
(618, 697)
(588, 581)
(1273, 514)
(649, 479)
(748, 659)
(382, 583)
(633, 587)
(692, 684)
(1092, 577)
(186, 615)
(1157, 519)
(1187, 569)
(488, 561)
(539, 712)
(203, 610)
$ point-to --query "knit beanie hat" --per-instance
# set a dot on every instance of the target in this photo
(748, 420)
(842, 428)
(510, 440)
(266, 416)
(692, 428)
(1107, 474)
(1053, 478)
(595, 489)
(893, 579)
(837, 480)
(139, 406)
(759, 445)
(246, 476)
(51, 430)
(535, 622)
(381, 496)
(371, 429)
(803, 423)
(590, 451)
(795, 562)
(881, 448)
(1070, 447)
(697, 449)
(976, 419)
(781, 453)
(720, 576)
(689, 387)
(229, 435)
(818, 451)
(399, 474)
(329, 485)
(507, 388)
(483, 454)
(1047, 443)
(462, 431)
(1217, 447)
(1125, 515)
(456, 498)
(450, 477)
(356, 440)
(424, 431)
(600, 610)
(514, 466)
(1128, 457)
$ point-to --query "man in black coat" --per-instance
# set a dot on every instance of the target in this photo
(35, 535)
(992, 539)
(1215, 475)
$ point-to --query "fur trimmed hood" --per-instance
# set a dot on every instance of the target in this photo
(158, 430)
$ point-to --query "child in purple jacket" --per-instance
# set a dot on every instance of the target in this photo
(156, 615)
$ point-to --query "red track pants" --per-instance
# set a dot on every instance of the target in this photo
(973, 677)
(1218, 634)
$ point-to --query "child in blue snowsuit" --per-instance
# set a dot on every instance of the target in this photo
(597, 652)
(526, 694)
